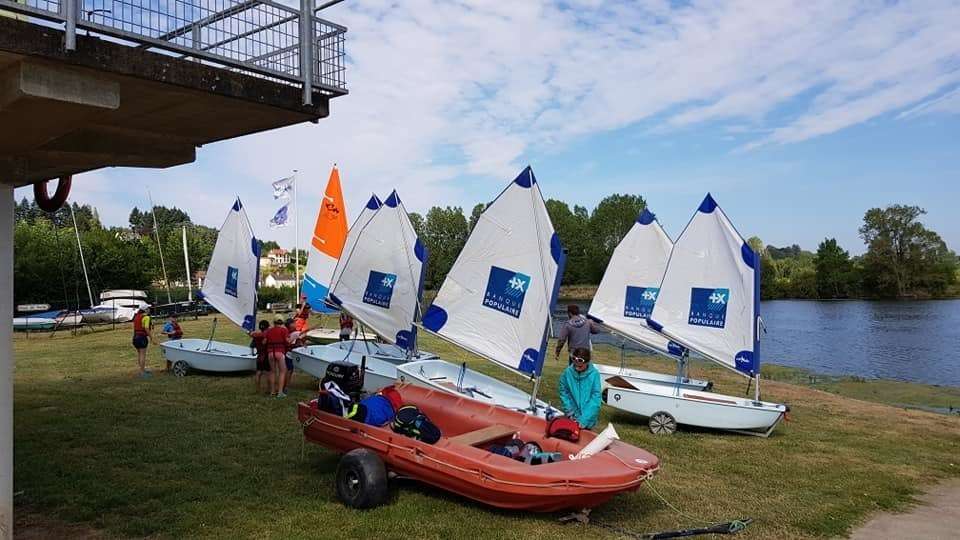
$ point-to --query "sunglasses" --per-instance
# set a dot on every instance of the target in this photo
(579, 360)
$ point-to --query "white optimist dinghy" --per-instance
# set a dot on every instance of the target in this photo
(496, 301)
(231, 288)
(708, 302)
(626, 296)
(379, 282)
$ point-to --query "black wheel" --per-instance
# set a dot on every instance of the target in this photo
(662, 423)
(180, 368)
(361, 479)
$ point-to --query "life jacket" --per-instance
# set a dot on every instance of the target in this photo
(564, 427)
(410, 421)
(276, 338)
(138, 328)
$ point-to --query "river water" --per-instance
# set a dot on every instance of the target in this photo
(916, 341)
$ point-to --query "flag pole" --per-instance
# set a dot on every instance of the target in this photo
(296, 239)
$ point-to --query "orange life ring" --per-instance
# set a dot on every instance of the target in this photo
(43, 198)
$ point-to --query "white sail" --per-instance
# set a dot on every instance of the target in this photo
(497, 298)
(629, 288)
(380, 278)
(353, 234)
(710, 293)
(234, 270)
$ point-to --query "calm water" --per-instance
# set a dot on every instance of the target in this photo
(913, 341)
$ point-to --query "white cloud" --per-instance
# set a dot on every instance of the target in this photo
(441, 90)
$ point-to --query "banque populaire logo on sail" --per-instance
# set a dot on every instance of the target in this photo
(379, 289)
(506, 290)
(230, 286)
(708, 307)
(639, 301)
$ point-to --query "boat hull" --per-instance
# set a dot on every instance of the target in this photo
(697, 409)
(476, 473)
(381, 365)
(33, 323)
(220, 357)
(443, 376)
(643, 376)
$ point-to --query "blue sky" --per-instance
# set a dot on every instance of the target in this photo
(797, 116)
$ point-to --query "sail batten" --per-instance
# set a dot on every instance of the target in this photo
(326, 245)
(234, 270)
(378, 280)
(497, 297)
(631, 284)
(709, 297)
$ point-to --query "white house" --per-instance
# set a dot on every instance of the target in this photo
(279, 280)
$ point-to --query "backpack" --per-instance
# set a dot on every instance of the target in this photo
(564, 427)
(379, 411)
(346, 375)
(410, 422)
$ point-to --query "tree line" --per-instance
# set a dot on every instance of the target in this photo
(903, 258)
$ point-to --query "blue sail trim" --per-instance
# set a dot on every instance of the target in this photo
(595, 319)
(255, 247)
(334, 300)
(316, 294)
(423, 254)
(434, 318)
(374, 203)
(393, 200)
(237, 205)
(749, 256)
(526, 178)
(561, 266)
(646, 217)
(708, 205)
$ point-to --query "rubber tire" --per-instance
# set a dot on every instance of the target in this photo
(361, 479)
(662, 423)
(180, 368)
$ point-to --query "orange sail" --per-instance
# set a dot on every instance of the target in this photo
(329, 235)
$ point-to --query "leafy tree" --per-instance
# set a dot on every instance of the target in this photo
(267, 245)
(609, 223)
(445, 232)
(417, 221)
(167, 218)
(475, 215)
(573, 228)
(776, 253)
(903, 257)
(834, 270)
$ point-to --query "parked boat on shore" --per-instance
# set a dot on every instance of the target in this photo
(496, 300)
(231, 288)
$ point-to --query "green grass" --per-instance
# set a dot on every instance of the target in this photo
(203, 456)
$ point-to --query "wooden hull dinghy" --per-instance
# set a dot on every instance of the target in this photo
(460, 462)
(382, 360)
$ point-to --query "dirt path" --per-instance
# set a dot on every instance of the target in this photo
(936, 516)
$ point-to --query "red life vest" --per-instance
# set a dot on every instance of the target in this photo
(138, 329)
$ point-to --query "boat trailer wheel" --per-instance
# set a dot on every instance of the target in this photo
(180, 368)
(361, 479)
(662, 423)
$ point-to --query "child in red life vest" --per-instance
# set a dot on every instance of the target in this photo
(259, 344)
(276, 343)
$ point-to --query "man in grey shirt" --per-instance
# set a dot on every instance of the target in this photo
(576, 332)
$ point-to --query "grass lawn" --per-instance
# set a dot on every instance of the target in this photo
(99, 451)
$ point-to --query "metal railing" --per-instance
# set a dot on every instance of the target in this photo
(263, 38)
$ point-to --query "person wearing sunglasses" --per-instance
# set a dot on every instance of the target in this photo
(580, 389)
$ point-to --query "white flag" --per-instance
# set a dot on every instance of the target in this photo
(283, 187)
(280, 218)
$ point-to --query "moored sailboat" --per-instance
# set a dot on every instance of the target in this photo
(708, 302)
(231, 288)
(496, 301)
(379, 282)
(627, 294)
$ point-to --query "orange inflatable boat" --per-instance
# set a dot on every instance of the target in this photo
(460, 462)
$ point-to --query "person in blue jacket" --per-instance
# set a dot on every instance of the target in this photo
(580, 389)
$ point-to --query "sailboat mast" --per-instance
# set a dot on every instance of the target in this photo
(186, 265)
(296, 239)
(156, 232)
(83, 262)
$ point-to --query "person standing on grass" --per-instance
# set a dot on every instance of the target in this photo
(142, 337)
(294, 340)
(259, 344)
(580, 389)
(575, 332)
(276, 342)
(346, 325)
